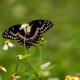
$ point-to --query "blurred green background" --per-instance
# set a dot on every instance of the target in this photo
(63, 40)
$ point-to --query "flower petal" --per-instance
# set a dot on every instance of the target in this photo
(5, 47)
(23, 26)
(17, 77)
(4, 69)
(53, 79)
(28, 29)
(46, 73)
(11, 44)
(45, 65)
(77, 78)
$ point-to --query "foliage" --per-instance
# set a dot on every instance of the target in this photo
(63, 40)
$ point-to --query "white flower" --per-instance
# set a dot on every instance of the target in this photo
(5, 47)
(23, 26)
(8, 44)
(45, 65)
(14, 77)
(11, 44)
(28, 29)
(72, 78)
(17, 77)
(77, 78)
(46, 73)
(68, 77)
(3, 68)
(53, 79)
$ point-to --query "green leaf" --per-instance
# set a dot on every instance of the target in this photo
(20, 57)
(42, 42)
(26, 55)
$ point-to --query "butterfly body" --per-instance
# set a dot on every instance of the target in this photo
(28, 34)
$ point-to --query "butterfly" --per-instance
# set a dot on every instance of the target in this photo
(28, 34)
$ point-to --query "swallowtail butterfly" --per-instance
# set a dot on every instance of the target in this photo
(28, 34)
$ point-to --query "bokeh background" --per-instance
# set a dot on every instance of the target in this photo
(63, 40)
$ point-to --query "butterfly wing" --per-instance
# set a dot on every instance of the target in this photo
(43, 25)
(15, 33)
(10, 33)
(38, 27)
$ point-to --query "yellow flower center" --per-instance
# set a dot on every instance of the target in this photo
(26, 24)
(73, 78)
(1, 67)
(68, 76)
(6, 42)
(13, 76)
(77, 75)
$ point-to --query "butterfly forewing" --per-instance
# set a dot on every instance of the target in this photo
(11, 32)
(38, 27)
(44, 25)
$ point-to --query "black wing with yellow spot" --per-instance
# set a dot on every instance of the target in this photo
(43, 25)
(38, 27)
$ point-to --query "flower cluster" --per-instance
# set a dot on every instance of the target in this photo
(3, 68)
(14, 77)
(8, 44)
(76, 77)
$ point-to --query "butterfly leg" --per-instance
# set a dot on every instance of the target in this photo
(28, 50)
(37, 48)
(29, 44)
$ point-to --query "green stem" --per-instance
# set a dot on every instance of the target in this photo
(30, 67)
(38, 77)
(16, 68)
(2, 75)
(26, 66)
